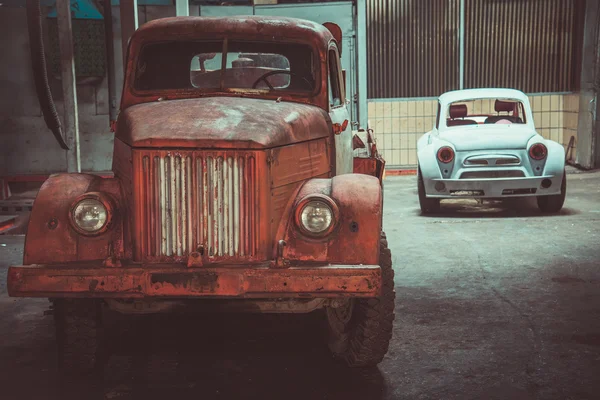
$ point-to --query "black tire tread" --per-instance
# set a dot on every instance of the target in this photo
(554, 203)
(428, 205)
(372, 320)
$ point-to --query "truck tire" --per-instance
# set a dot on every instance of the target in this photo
(554, 203)
(78, 329)
(428, 205)
(360, 332)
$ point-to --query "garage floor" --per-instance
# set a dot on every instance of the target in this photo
(494, 301)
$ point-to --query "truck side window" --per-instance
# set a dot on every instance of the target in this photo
(335, 91)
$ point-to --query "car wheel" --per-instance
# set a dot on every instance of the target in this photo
(78, 328)
(428, 205)
(360, 330)
(554, 203)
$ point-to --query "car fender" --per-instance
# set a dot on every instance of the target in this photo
(427, 147)
(51, 237)
(356, 236)
(555, 165)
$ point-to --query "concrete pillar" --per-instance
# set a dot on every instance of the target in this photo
(361, 43)
(182, 8)
(110, 61)
(67, 69)
(588, 129)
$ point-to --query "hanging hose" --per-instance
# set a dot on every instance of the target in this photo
(569, 150)
(40, 75)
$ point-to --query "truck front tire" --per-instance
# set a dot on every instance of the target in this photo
(78, 330)
(360, 331)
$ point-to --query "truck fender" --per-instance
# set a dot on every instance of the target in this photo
(51, 237)
(355, 237)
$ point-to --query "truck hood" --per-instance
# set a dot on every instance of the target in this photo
(481, 137)
(221, 122)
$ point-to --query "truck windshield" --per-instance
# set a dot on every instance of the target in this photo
(226, 64)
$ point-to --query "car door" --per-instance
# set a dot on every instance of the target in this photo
(338, 112)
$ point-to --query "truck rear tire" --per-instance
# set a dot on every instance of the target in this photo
(360, 331)
(78, 330)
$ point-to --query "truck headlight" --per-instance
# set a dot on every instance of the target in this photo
(90, 214)
(316, 215)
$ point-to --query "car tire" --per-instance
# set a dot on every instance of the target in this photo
(78, 324)
(428, 205)
(554, 203)
(360, 335)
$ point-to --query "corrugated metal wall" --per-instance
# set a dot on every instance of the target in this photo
(412, 47)
(531, 45)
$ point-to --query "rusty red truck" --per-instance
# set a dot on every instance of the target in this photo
(237, 179)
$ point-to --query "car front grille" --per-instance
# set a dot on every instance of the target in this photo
(492, 174)
(202, 202)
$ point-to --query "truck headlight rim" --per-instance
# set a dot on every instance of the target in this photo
(314, 198)
(104, 201)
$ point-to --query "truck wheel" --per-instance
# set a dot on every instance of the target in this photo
(78, 327)
(360, 330)
(428, 205)
(554, 203)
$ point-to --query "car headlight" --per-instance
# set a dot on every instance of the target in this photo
(316, 215)
(90, 214)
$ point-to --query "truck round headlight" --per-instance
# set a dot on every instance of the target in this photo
(316, 215)
(89, 215)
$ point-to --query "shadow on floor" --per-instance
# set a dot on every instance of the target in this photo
(506, 208)
(230, 356)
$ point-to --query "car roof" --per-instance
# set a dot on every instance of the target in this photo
(483, 93)
(266, 28)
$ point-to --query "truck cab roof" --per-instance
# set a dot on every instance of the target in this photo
(212, 44)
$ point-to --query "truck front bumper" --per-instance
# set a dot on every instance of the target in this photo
(174, 281)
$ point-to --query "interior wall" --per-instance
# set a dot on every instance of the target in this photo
(26, 144)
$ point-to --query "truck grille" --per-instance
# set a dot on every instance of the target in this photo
(197, 202)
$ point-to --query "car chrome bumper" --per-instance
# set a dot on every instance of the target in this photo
(491, 188)
(179, 281)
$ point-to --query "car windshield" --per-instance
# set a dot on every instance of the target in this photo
(486, 111)
(224, 65)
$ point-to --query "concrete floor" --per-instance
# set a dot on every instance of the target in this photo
(494, 301)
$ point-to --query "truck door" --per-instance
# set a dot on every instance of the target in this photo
(339, 114)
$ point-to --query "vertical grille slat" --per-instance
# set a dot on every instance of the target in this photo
(236, 206)
(193, 200)
(250, 204)
(173, 204)
(189, 190)
(156, 226)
